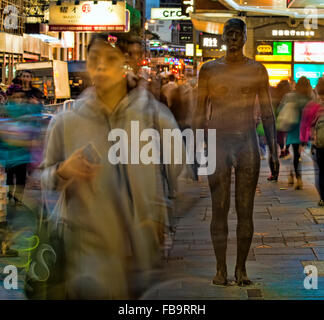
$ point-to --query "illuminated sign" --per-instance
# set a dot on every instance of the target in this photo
(270, 58)
(190, 50)
(309, 51)
(278, 72)
(209, 41)
(67, 39)
(167, 14)
(282, 48)
(311, 71)
(187, 7)
(87, 16)
(292, 33)
(274, 51)
(264, 49)
(155, 43)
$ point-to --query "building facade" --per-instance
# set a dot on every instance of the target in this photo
(149, 5)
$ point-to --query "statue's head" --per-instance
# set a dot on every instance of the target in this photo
(234, 34)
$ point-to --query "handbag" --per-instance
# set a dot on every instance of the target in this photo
(288, 117)
(45, 276)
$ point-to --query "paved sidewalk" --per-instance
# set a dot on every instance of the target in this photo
(288, 232)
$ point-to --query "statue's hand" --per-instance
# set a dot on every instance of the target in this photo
(274, 165)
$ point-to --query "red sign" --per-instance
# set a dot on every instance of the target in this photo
(86, 28)
(86, 8)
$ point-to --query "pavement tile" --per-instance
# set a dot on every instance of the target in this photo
(288, 230)
(266, 257)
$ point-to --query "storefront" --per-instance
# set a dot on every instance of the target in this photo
(11, 52)
(212, 46)
(289, 53)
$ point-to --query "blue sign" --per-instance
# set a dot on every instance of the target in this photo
(311, 71)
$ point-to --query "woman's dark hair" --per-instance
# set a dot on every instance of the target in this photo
(26, 71)
(320, 86)
(283, 87)
(120, 42)
(17, 80)
(303, 82)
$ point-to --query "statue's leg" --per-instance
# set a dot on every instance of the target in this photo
(219, 184)
(246, 179)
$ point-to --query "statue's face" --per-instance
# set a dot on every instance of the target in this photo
(234, 38)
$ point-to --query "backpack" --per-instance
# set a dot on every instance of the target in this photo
(45, 275)
(319, 132)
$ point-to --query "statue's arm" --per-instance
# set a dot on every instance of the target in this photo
(200, 108)
(268, 119)
(267, 114)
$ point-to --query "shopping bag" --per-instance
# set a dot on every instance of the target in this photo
(288, 117)
(45, 277)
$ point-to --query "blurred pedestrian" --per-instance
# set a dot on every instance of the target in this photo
(290, 112)
(18, 136)
(183, 101)
(31, 92)
(166, 91)
(115, 212)
(312, 126)
(282, 89)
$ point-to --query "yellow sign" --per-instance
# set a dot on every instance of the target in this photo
(87, 16)
(264, 48)
(278, 72)
(198, 51)
(269, 58)
(190, 50)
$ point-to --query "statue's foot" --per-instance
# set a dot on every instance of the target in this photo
(242, 278)
(220, 279)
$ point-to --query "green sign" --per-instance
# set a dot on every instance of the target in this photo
(282, 48)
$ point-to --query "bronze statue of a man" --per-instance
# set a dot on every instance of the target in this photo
(230, 85)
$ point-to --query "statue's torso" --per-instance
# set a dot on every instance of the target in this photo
(232, 90)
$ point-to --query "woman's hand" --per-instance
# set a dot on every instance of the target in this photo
(76, 166)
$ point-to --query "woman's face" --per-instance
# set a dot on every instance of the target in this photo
(26, 77)
(106, 65)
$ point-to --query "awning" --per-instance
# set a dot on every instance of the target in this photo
(270, 7)
(211, 22)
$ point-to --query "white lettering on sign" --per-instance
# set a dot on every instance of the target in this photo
(210, 42)
(167, 14)
(283, 49)
(308, 74)
(293, 33)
